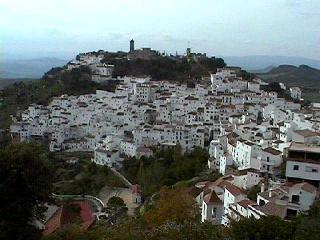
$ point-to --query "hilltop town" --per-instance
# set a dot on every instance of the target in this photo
(260, 137)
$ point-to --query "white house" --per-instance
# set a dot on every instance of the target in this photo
(285, 201)
(212, 208)
(303, 163)
(104, 157)
(232, 194)
(245, 155)
(295, 93)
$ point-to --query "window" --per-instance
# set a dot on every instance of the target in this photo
(295, 198)
(311, 169)
(296, 167)
(214, 212)
(262, 202)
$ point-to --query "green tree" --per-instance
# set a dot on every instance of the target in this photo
(266, 228)
(117, 208)
(173, 205)
(308, 225)
(24, 189)
(254, 192)
(116, 202)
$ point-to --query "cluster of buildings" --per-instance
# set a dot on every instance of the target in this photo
(228, 198)
(250, 135)
(101, 72)
(273, 145)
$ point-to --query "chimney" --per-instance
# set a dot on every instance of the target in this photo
(262, 187)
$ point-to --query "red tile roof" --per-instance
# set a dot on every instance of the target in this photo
(233, 189)
(211, 198)
(306, 187)
(136, 189)
(272, 151)
(272, 209)
(246, 202)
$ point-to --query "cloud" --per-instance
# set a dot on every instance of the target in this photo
(231, 26)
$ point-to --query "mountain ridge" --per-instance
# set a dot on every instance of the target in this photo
(301, 76)
(255, 63)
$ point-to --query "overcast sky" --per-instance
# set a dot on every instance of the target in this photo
(62, 28)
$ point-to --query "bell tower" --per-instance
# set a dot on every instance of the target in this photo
(131, 45)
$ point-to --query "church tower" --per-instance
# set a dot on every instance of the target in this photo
(131, 45)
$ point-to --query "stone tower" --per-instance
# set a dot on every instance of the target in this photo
(131, 45)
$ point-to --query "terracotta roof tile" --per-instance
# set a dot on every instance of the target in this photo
(211, 198)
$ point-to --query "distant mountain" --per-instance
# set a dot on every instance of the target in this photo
(256, 63)
(265, 70)
(302, 76)
(29, 68)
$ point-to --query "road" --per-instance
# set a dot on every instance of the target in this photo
(123, 178)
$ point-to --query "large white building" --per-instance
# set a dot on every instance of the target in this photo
(303, 163)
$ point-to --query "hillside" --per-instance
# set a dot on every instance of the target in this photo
(303, 76)
(58, 80)
(6, 82)
(16, 97)
(164, 67)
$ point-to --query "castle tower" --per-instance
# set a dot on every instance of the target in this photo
(131, 45)
(188, 52)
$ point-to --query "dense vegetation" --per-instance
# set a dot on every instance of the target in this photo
(25, 186)
(165, 68)
(82, 177)
(116, 209)
(275, 87)
(6, 82)
(302, 227)
(165, 168)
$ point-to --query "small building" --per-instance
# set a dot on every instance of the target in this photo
(295, 93)
(212, 208)
(287, 200)
(136, 194)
